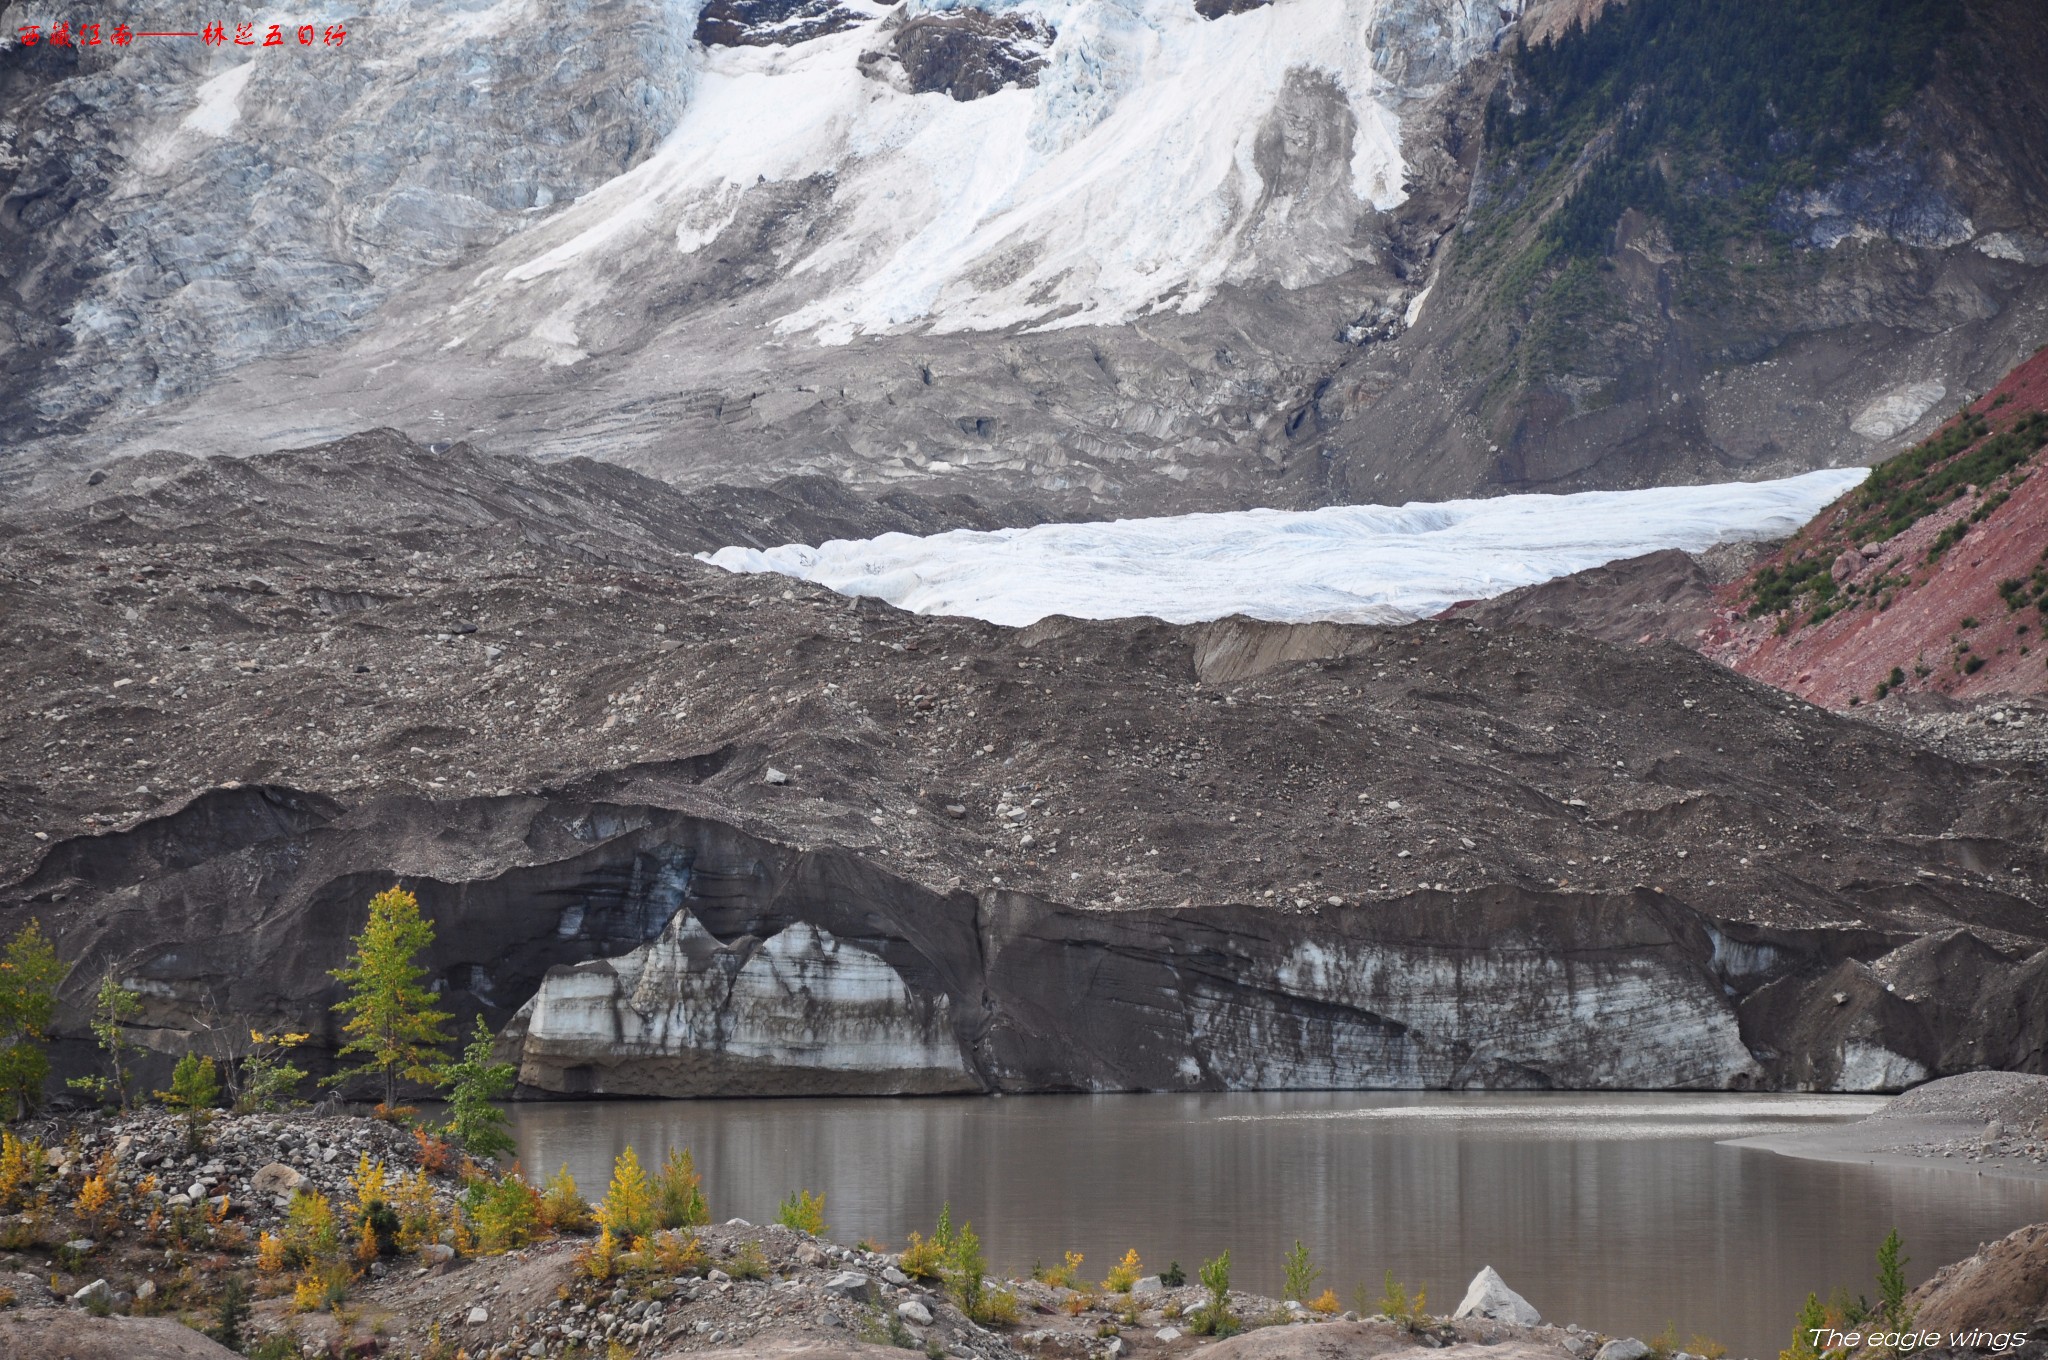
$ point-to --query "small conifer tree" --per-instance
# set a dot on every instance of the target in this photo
(113, 1006)
(29, 974)
(473, 1083)
(628, 1208)
(393, 1023)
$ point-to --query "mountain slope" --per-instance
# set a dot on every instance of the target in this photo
(1146, 255)
(1931, 576)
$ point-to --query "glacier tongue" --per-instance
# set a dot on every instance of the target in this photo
(1356, 564)
(1134, 176)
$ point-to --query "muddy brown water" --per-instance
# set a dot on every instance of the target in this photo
(1618, 1212)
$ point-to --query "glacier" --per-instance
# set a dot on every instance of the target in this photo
(1346, 564)
(1125, 182)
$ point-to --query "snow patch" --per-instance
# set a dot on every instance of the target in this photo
(1125, 183)
(1897, 410)
(1355, 563)
(220, 102)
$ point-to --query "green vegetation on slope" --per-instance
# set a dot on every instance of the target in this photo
(1699, 114)
(1711, 108)
(1902, 490)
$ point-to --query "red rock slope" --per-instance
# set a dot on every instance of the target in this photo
(1933, 575)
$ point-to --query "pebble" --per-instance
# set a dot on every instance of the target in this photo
(478, 1316)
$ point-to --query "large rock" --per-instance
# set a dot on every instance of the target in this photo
(276, 1179)
(52, 1333)
(1488, 1296)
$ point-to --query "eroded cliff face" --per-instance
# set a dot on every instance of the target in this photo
(632, 950)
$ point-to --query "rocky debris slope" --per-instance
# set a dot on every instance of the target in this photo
(1663, 596)
(2000, 1290)
(1079, 855)
(1930, 577)
(1994, 1123)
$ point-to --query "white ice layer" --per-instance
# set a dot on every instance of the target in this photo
(1125, 182)
(1359, 563)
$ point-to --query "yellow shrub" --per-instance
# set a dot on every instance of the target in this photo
(924, 1260)
(322, 1286)
(368, 1184)
(419, 1223)
(1063, 1276)
(1124, 1274)
(270, 1253)
(600, 1260)
(1077, 1303)
(21, 1165)
(628, 1208)
(677, 1253)
(94, 1198)
(310, 1233)
(1326, 1303)
(998, 1309)
(562, 1206)
(366, 1243)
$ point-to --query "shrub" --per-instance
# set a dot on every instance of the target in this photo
(29, 974)
(508, 1215)
(922, 1259)
(113, 1007)
(309, 1229)
(1123, 1274)
(600, 1260)
(95, 1198)
(628, 1208)
(804, 1212)
(270, 1253)
(1326, 1304)
(474, 1082)
(436, 1156)
(1891, 1284)
(412, 1201)
(748, 1263)
(677, 1253)
(1396, 1304)
(1214, 1317)
(679, 1192)
(965, 1268)
(21, 1166)
(1173, 1277)
(322, 1286)
(562, 1207)
(1062, 1276)
(999, 1308)
(267, 1081)
(1301, 1273)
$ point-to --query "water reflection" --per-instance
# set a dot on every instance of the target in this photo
(1613, 1211)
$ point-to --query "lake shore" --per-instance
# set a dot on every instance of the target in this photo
(1988, 1123)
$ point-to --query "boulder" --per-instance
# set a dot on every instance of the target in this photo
(1489, 1297)
(851, 1284)
(1628, 1348)
(910, 1310)
(1149, 1285)
(276, 1179)
(98, 1289)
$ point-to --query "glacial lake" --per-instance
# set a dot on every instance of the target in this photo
(1618, 1212)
